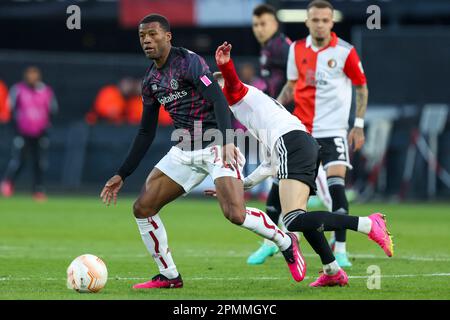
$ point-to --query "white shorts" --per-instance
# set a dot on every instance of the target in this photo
(190, 168)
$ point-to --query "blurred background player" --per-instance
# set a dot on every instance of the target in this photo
(321, 70)
(32, 104)
(274, 50)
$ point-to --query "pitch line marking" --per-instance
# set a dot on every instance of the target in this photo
(244, 255)
(229, 253)
(239, 279)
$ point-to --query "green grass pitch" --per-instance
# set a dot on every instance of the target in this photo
(38, 241)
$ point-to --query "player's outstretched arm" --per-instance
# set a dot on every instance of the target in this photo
(141, 143)
(234, 89)
(143, 140)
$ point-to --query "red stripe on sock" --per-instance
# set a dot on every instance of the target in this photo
(157, 249)
(154, 224)
(163, 262)
(155, 240)
(266, 224)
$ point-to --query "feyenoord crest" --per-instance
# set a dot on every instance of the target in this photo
(174, 84)
(332, 63)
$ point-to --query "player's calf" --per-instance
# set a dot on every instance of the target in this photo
(230, 194)
(235, 213)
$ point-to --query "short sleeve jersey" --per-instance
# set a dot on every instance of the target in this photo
(323, 89)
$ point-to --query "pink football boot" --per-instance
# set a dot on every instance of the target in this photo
(295, 260)
(160, 281)
(324, 280)
(380, 234)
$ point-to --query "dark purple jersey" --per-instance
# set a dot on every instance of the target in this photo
(178, 86)
(186, 88)
(273, 61)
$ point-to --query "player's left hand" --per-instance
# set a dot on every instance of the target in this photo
(223, 53)
(356, 138)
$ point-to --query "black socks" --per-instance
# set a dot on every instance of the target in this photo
(336, 186)
(312, 231)
(299, 220)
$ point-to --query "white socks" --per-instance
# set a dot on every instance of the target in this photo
(282, 228)
(364, 225)
(154, 236)
(339, 247)
(331, 268)
(258, 222)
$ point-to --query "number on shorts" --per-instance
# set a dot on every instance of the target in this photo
(340, 146)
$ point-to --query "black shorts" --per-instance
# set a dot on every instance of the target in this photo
(298, 154)
(334, 150)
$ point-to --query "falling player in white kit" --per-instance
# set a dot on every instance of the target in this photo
(293, 156)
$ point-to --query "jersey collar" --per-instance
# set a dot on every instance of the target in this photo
(167, 60)
(333, 41)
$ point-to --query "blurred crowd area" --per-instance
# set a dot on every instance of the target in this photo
(120, 102)
(95, 74)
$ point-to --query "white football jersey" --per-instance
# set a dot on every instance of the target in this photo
(323, 90)
(264, 117)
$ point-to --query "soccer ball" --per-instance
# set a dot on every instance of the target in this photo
(87, 273)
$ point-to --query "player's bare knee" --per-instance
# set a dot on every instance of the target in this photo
(142, 211)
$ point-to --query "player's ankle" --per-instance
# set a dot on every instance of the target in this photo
(170, 273)
(331, 268)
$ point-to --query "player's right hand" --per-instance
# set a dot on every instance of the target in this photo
(111, 189)
(223, 53)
